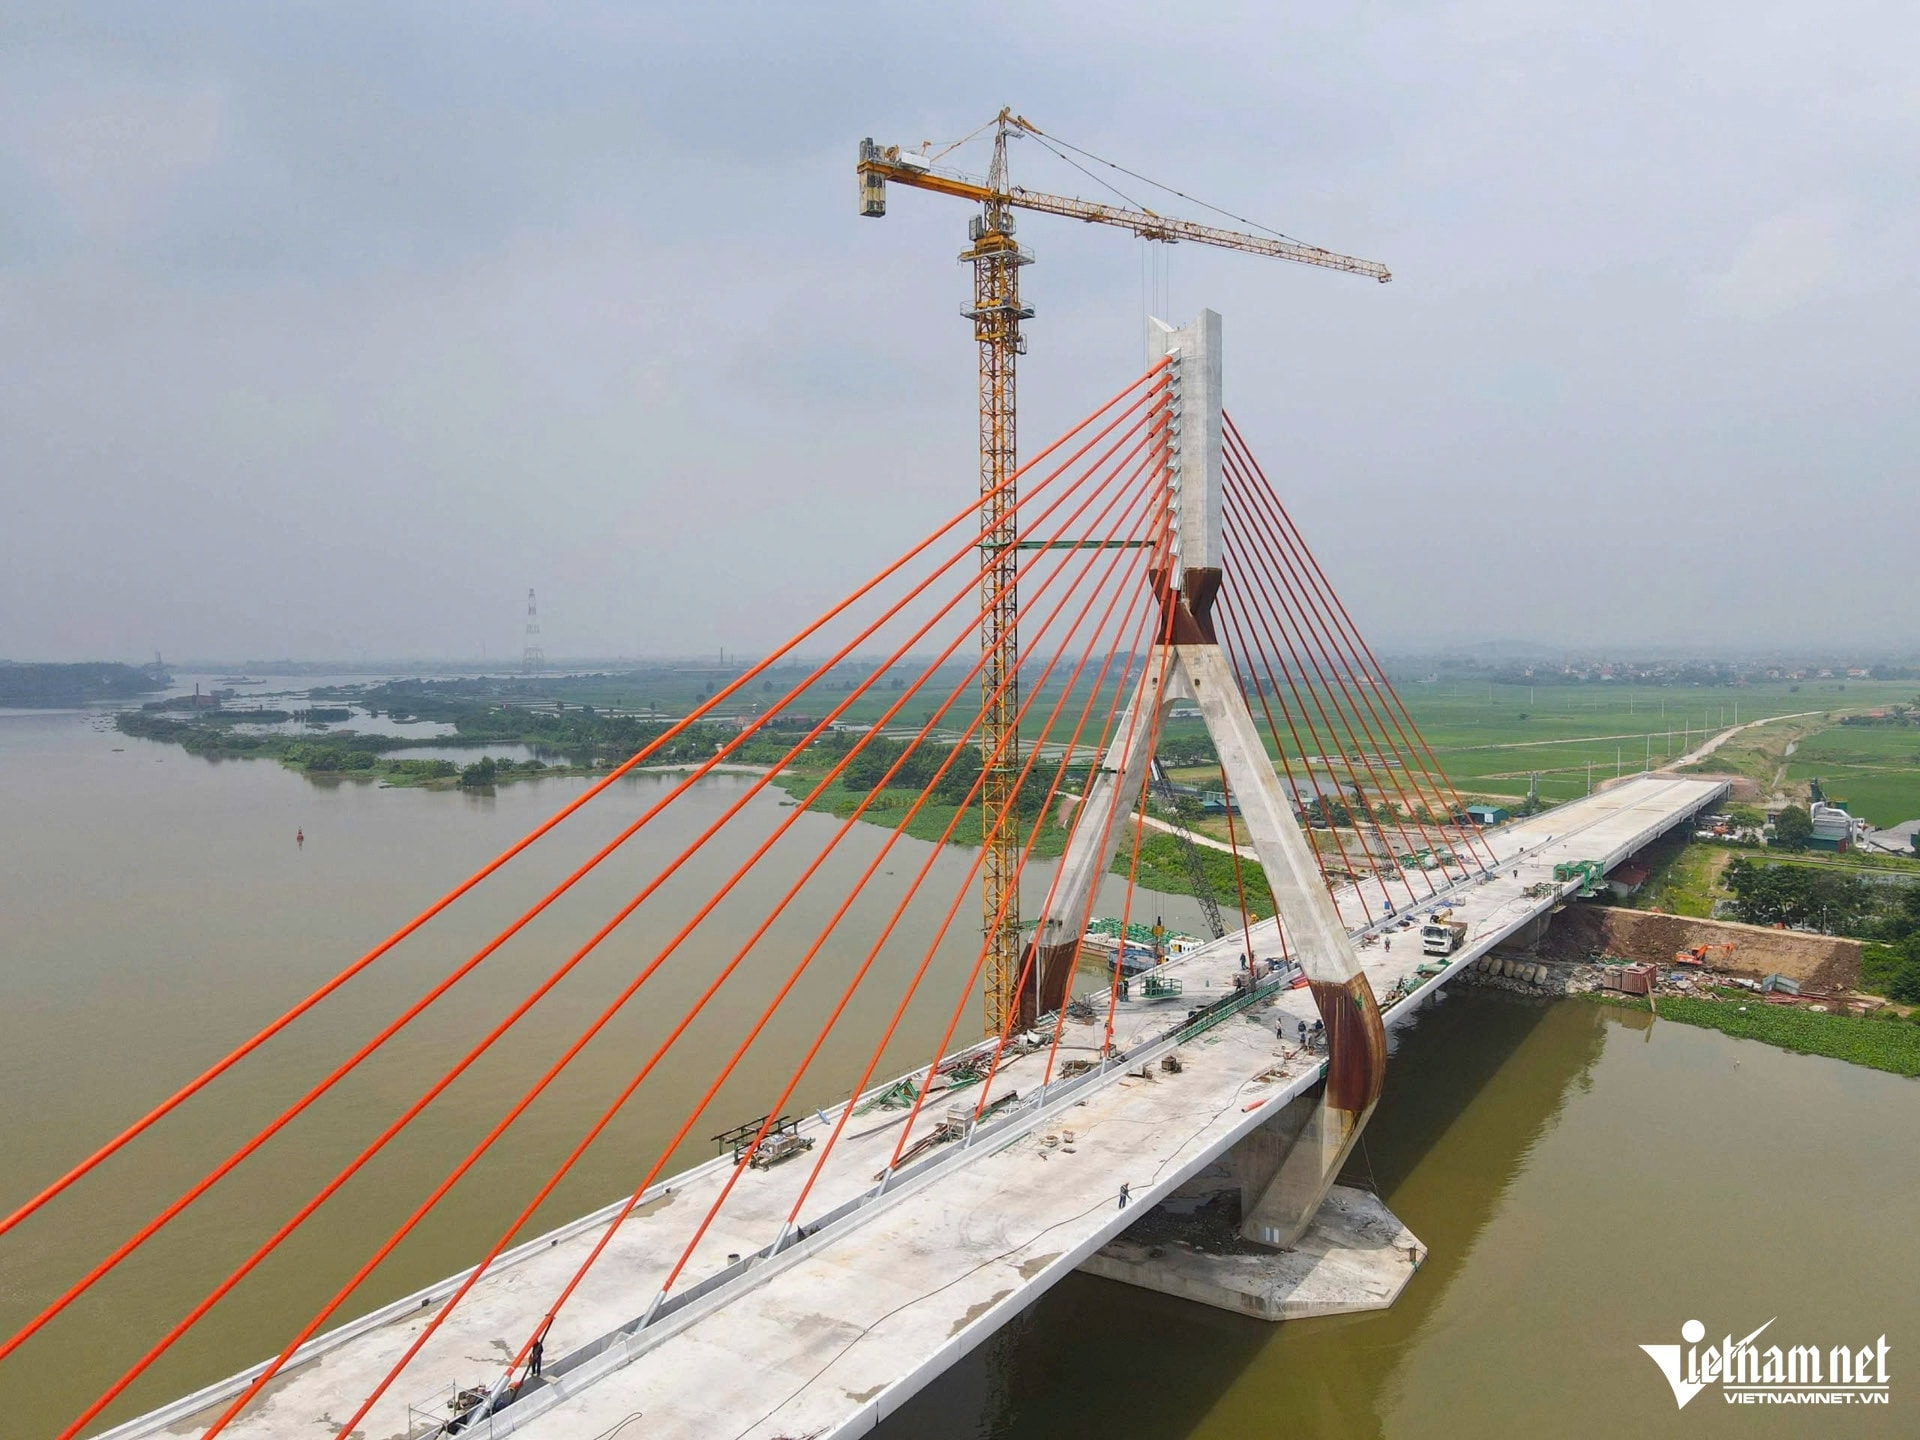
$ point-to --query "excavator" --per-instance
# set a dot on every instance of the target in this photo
(1700, 956)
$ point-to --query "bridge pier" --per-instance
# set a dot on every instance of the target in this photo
(1355, 1256)
(1287, 1167)
(1344, 1252)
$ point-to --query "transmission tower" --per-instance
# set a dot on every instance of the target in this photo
(534, 658)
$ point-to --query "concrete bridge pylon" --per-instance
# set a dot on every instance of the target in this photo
(1284, 1183)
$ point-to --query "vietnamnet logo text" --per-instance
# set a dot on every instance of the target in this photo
(1776, 1375)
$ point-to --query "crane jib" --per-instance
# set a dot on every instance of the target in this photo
(877, 166)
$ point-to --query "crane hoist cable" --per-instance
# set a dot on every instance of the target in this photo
(1189, 852)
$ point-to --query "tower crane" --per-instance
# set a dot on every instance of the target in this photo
(996, 313)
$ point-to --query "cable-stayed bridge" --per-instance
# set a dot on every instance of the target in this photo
(836, 1255)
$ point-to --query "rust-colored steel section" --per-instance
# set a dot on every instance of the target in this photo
(1356, 1043)
(1055, 966)
(1180, 622)
(1201, 587)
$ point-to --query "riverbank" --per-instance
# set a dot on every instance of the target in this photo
(563, 743)
(334, 757)
(1883, 1041)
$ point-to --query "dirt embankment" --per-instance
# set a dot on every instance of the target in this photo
(1817, 962)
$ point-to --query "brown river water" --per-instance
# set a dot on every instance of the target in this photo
(1586, 1180)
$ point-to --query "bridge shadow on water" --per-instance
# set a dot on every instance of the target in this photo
(1470, 1088)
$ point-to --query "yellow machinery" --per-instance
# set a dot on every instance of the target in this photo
(996, 314)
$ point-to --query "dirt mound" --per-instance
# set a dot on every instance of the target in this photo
(1817, 962)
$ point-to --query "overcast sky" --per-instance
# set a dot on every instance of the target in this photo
(325, 330)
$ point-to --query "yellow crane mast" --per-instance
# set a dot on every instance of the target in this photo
(996, 313)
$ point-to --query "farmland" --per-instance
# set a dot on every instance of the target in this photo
(1490, 738)
(1875, 770)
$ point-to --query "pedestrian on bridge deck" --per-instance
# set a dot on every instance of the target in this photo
(1123, 1195)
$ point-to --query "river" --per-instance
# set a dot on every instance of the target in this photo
(1586, 1180)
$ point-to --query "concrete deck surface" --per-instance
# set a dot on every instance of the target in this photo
(833, 1333)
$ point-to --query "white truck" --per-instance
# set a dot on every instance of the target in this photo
(1442, 937)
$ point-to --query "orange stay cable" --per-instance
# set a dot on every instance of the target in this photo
(886, 1037)
(1133, 863)
(1267, 518)
(1279, 924)
(640, 1190)
(1031, 961)
(967, 988)
(1312, 645)
(1119, 969)
(767, 1014)
(1126, 916)
(1227, 606)
(146, 1232)
(659, 879)
(966, 993)
(239, 1053)
(1312, 612)
(1435, 774)
(607, 1235)
(1338, 756)
(1020, 869)
(620, 1100)
(1235, 646)
(1308, 593)
(1288, 527)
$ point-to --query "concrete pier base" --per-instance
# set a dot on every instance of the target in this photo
(1356, 1255)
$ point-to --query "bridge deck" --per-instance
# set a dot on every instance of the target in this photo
(838, 1329)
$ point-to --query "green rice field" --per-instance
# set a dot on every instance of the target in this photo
(1875, 770)
(1488, 738)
